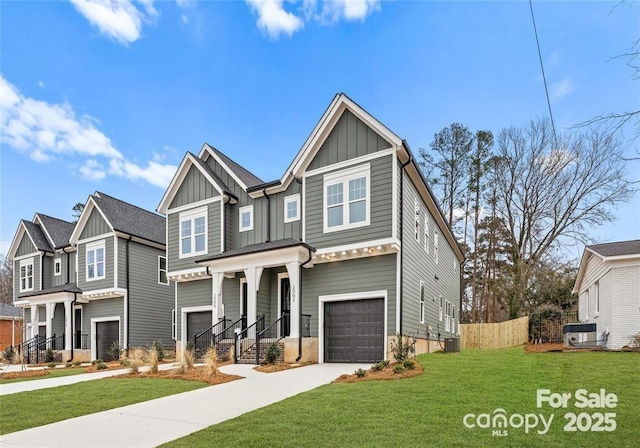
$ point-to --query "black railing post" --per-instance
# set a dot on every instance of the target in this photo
(235, 347)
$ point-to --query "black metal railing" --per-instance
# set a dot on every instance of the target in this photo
(34, 349)
(546, 327)
(272, 334)
(81, 341)
(305, 326)
(55, 343)
(246, 339)
(202, 341)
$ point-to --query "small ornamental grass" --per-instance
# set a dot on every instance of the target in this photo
(211, 361)
(154, 357)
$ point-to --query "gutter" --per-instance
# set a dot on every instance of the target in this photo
(264, 192)
(402, 170)
(73, 321)
(300, 305)
(224, 211)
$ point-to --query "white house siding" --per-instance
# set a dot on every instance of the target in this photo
(626, 305)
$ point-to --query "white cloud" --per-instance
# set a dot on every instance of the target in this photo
(276, 20)
(273, 18)
(119, 19)
(185, 19)
(185, 3)
(562, 88)
(53, 131)
(41, 84)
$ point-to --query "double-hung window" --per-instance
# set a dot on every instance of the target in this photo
(193, 233)
(292, 208)
(26, 275)
(57, 266)
(162, 270)
(347, 198)
(246, 218)
(95, 260)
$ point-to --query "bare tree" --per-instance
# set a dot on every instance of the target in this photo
(547, 194)
(6, 280)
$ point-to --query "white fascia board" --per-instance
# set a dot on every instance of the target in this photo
(84, 217)
(266, 259)
(56, 297)
(44, 228)
(22, 229)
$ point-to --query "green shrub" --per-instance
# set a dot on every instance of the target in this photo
(76, 364)
(114, 350)
(273, 353)
(408, 364)
(360, 373)
(384, 362)
(101, 365)
(7, 353)
(402, 347)
(157, 346)
(97, 361)
(377, 367)
(398, 368)
(51, 365)
(48, 355)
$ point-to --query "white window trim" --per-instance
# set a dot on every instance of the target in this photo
(596, 289)
(94, 321)
(436, 248)
(426, 233)
(191, 215)
(166, 273)
(344, 177)
(57, 262)
(24, 263)
(246, 208)
(287, 200)
(89, 248)
(416, 219)
(422, 304)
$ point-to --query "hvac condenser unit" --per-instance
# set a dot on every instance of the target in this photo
(580, 335)
(451, 345)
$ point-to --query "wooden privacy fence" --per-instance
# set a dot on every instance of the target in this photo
(500, 335)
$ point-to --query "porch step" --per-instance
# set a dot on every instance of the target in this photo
(249, 357)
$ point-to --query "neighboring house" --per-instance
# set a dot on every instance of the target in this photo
(608, 288)
(343, 252)
(100, 280)
(10, 325)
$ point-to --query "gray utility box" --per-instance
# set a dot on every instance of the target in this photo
(451, 345)
(580, 335)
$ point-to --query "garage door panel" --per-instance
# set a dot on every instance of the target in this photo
(197, 322)
(106, 334)
(354, 331)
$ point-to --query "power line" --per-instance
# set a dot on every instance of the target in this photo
(544, 78)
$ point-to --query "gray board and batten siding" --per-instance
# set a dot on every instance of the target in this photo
(420, 266)
(381, 217)
(150, 303)
(25, 247)
(36, 275)
(195, 187)
(95, 226)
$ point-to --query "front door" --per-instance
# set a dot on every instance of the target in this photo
(285, 306)
(77, 326)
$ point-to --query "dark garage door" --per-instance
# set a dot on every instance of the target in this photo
(197, 323)
(106, 334)
(354, 331)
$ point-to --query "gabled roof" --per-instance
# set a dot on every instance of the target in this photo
(619, 248)
(245, 178)
(9, 311)
(130, 219)
(37, 236)
(57, 230)
(188, 161)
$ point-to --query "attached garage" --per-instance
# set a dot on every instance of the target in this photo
(107, 333)
(354, 331)
(197, 322)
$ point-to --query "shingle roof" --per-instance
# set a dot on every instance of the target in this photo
(69, 287)
(248, 178)
(9, 311)
(211, 173)
(617, 248)
(59, 230)
(132, 220)
(38, 237)
(260, 247)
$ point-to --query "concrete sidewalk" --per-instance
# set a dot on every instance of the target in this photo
(45, 383)
(155, 422)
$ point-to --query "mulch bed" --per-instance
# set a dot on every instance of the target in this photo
(195, 374)
(26, 374)
(383, 375)
(112, 365)
(280, 366)
(540, 348)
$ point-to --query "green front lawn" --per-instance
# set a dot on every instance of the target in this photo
(429, 410)
(40, 407)
(53, 373)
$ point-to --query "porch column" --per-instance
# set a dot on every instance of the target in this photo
(216, 296)
(68, 316)
(35, 320)
(49, 312)
(253, 275)
(293, 268)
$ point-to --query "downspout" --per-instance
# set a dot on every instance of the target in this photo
(73, 320)
(224, 210)
(300, 306)
(128, 292)
(299, 182)
(264, 192)
(402, 167)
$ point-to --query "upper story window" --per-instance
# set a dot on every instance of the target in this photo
(95, 261)
(57, 266)
(417, 219)
(193, 232)
(246, 218)
(26, 275)
(436, 252)
(162, 270)
(292, 208)
(426, 234)
(347, 198)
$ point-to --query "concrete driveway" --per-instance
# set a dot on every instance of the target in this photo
(155, 422)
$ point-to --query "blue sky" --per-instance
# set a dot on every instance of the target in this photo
(99, 95)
